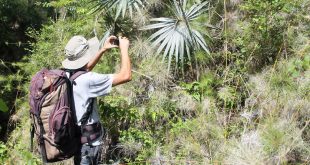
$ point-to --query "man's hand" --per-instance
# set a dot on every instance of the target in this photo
(108, 44)
(123, 43)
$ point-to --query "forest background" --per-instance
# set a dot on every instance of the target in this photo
(214, 81)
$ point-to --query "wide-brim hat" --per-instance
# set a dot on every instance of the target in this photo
(79, 52)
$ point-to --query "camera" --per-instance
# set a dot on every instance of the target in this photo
(115, 42)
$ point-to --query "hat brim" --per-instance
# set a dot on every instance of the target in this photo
(82, 61)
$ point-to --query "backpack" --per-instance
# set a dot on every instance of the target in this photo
(53, 115)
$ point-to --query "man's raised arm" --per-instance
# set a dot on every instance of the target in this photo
(124, 75)
(107, 45)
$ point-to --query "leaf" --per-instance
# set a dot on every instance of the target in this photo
(154, 114)
(158, 25)
(105, 37)
(3, 106)
(121, 6)
(196, 10)
(174, 35)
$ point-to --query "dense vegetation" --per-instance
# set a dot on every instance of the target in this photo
(214, 81)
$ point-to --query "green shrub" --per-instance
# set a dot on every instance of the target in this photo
(3, 152)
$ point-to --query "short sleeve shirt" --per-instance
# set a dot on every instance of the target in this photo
(87, 86)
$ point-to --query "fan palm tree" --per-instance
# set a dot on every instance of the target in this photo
(121, 6)
(175, 35)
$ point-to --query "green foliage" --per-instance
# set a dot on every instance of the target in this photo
(56, 4)
(228, 95)
(281, 138)
(62, 8)
(193, 139)
(119, 114)
(140, 136)
(202, 88)
(117, 111)
(52, 39)
(273, 139)
(3, 106)
(3, 152)
(288, 73)
(19, 141)
(265, 34)
(15, 17)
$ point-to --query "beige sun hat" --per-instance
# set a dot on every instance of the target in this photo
(79, 52)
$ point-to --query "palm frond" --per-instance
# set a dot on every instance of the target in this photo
(196, 10)
(200, 41)
(174, 36)
(105, 36)
(121, 6)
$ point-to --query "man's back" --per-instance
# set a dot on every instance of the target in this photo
(87, 87)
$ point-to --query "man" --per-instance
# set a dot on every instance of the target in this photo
(84, 55)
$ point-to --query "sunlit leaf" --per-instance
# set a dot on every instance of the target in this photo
(174, 36)
(121, 6)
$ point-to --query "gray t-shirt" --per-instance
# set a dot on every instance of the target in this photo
(87, 86)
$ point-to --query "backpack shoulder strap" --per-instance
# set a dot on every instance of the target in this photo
(70, 82)
(76, 75)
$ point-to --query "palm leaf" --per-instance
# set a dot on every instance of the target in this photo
(121, 6)
(105, 36)
(200, 41)
(174, 35)
(196, 10)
